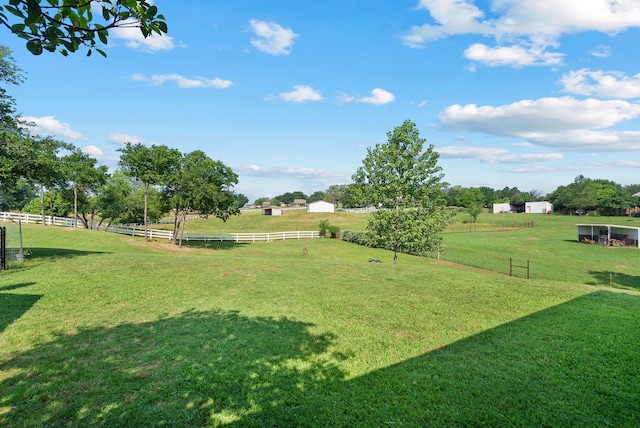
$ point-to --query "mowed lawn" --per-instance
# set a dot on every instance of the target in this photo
(104, 329)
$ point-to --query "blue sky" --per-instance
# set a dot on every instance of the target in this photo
(526, 93)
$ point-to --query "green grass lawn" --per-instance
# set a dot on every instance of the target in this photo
(105, 329)
(552, 250)
(291, 220)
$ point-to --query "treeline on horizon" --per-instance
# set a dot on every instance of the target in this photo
(584, 195)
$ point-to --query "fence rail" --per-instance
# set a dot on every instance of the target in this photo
(253, 237)
(137, 230)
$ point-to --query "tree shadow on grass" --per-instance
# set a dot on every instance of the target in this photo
(214, 245)
(59, 253)
(615, 279)
(199, 368)
(16, 286)
(575, 364)
(13, 306)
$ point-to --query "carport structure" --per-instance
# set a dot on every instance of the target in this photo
(609, 235)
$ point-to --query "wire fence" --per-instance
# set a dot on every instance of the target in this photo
(488, 227)
(539, 268)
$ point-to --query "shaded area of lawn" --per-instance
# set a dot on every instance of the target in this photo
(39, 253)
(575, 364)
(195, 369)
(616, 279)
(215, 245)
(13, 306)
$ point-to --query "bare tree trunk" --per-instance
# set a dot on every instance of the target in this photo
(395, 253)
(75, 208)
(184, 221)
(42, 204)
(146, 192)
(176, 225)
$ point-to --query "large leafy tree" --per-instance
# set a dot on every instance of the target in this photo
(586, 194)
(84, 178)
(473, 200)
(11, 136)
(10, 74)
(111, 197)
(41, 163)
(151, 165)
(403, 180)
(203, 185)
(68, 25)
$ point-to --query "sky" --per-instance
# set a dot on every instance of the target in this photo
(291, 93)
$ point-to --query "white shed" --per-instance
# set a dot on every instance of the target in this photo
(320, 207)
(502, 208)
(540, 207)
(272, 211)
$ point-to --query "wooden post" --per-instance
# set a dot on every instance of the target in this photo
(510, 266)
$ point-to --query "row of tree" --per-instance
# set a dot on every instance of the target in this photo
(152, 181)
(584, 195)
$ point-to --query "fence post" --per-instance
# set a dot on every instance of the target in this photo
(528, 270)
(510, 266)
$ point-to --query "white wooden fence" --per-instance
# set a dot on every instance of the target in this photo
(137, 230)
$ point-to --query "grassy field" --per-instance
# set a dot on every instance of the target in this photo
(104, 329)
(551, 248)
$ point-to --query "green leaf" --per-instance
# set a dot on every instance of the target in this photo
(102, 35)
(17, 28)
(34, 46)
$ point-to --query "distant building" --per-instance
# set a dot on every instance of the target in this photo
(299, 202)
(541, 207)
(272, 211)
(504, 208)
(321, 207)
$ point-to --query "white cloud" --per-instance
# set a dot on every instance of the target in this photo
(470, 152)
(50, 126)
(495, 155)
(601, 51)
(121, 138)
(452, 17)
(517, 56)
(300, 94)
(343, 98)
(378, 97)
(606, 84)
(272, 38)
(564, 122)
(134, 39)
(289, 171)
(94, 151)
(528, 27)
(183, 82)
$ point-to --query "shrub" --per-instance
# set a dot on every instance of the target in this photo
(360, 238)
(334, 232)
(323, 226)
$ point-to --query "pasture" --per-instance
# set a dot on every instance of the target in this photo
(106, 329)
